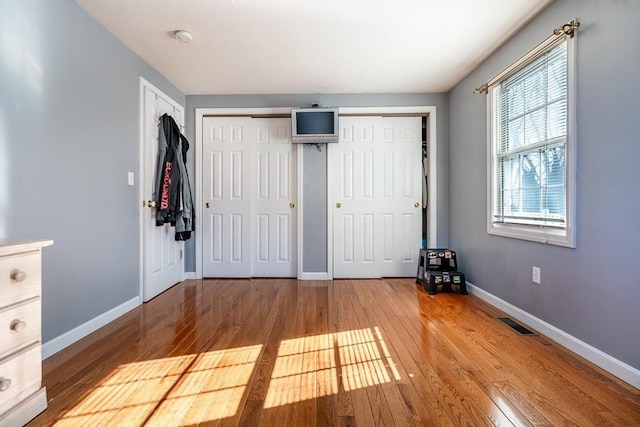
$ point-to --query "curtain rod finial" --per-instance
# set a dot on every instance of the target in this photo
(568, 29)
(482, 89)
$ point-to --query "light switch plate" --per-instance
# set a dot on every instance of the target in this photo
(536, 275)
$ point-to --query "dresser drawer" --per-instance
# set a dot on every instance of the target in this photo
(20, 277)
(19, 326)
(19, 376)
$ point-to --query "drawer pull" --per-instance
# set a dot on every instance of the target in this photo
(18, 275)
(5, 383)
(18, 325)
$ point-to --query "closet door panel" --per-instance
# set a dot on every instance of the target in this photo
(227, 196)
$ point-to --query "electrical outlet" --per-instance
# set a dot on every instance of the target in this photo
(536, 275)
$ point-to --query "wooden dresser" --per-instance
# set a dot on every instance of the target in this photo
(22, 396)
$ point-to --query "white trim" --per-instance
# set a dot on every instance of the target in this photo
(60, 342)
(330, 210)
(420, 109)
(314, 276)
(432, 154)
(300, 211)
(201, 112)
(198, 193)
(189, 275)
(610, 364)
(571, 145)
(144, 84)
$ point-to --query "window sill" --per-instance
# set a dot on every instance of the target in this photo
(547, 236)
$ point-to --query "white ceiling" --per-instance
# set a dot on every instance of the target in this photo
(314, 46)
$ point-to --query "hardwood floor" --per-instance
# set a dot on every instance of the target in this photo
(314, 353)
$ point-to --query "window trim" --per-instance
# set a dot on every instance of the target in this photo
(548, 235)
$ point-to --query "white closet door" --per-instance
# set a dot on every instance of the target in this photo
(377, 197)
(162, 254)
(249, 182)
(226, 192)
(356, 195)
(402, 194)
(274, 210)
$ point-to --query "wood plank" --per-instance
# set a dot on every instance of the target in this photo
(276, 395)
(350, 380)
(327, 384)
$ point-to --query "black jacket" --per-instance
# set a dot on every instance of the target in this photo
(173, 192)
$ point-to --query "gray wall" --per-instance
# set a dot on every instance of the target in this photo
(591, 292)
(314, 223)
(68, 136)
(314, 256)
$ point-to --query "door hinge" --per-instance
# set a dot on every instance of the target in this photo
(180, 253)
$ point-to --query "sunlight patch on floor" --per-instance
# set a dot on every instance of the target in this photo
(212, 388)
(130, 393)
(174, 390)
(316, 366)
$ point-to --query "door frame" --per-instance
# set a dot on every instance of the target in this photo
(144, 84)
(200, 114)
(432, 214)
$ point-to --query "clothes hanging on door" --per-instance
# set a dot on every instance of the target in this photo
(173, 190)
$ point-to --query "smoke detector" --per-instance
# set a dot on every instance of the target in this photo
(183, 35)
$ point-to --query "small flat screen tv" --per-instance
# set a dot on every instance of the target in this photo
(314, 125)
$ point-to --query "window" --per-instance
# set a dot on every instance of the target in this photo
(531, 154)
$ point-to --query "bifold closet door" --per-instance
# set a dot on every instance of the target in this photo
(226, 194)
(357, 190)
(274, 209)
(249, 190)
(377, 196)
(401, 195)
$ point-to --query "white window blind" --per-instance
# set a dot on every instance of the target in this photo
(531, 111)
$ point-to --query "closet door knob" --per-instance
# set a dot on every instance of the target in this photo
(18, 325)
(18, 275)
(152, 203)
(292, 205)
(207, 205)
(5, 383)
(338, 205)
(417, 204)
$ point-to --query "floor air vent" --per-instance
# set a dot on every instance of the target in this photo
(521, 329)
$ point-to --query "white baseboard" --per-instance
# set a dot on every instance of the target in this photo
(190, 275)
(58, 343)
(610, 364)
(314, 276)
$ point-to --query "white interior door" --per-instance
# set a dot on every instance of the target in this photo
(377, 196)
(226, 192)
(161, 253)
(274, 210)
